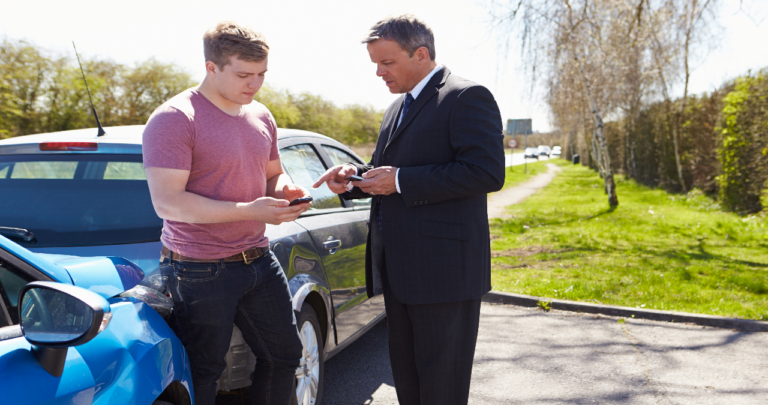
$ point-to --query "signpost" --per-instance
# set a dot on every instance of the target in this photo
(520, 127)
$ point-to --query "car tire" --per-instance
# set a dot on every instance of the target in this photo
(309, 375)
(161, 403)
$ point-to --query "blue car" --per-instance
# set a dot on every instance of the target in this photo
(77, 330)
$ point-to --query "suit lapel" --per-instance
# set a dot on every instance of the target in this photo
(429, 91)
(388, 125)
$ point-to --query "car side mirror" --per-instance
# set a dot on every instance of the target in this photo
(56, 316)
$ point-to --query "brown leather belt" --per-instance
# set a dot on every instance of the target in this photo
(246, 257)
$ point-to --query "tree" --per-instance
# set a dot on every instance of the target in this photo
(25, 69)
(676, 28)
(574, 42)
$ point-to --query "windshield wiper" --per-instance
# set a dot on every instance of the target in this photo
(17, 233)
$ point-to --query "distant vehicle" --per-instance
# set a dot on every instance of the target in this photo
(544, 150)
(80, 195)
(556, 150)
(532, 153)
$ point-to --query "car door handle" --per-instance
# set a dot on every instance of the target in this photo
(332, 244)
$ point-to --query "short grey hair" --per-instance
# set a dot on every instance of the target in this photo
(407, 30)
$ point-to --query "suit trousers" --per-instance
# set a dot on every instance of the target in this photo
(431, 346)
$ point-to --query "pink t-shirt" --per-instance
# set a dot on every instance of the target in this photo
(227, 158)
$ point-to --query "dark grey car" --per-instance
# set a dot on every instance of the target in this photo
(72, 193)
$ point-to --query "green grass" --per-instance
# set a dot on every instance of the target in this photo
(656, 250)
(516, 174)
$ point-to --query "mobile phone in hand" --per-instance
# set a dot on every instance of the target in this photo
(354, 178)
(300, 201)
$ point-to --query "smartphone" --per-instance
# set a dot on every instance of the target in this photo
(354, 178)
(300, 201)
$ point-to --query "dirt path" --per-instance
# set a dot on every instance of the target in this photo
(497, 202)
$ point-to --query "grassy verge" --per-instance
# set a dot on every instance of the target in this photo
(516, 174)
(656, 250)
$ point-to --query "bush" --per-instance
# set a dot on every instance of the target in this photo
(742, 152)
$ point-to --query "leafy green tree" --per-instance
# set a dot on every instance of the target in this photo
(25, 69)
(148, 85)
(744, 133)
(352, 124)
(42, 92)
(280, 104)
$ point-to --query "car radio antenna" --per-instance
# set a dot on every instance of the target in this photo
(101, 129)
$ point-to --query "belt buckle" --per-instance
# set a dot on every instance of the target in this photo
(245, 259)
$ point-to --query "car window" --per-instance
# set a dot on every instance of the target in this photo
(304, 167)
(44, 170)
(77, 199)
(339, 157)
(11, 282)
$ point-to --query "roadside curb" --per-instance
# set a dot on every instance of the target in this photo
(626, 312)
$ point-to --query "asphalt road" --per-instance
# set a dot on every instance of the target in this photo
(527, 356)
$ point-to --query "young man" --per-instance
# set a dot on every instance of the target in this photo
(215, 177)
(440, 151)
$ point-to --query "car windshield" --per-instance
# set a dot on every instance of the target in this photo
(77, 199)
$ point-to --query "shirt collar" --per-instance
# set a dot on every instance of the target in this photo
(419, 87)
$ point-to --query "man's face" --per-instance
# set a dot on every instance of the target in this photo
(400, 72)
(239, 80)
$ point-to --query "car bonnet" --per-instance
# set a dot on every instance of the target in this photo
(106, 276)
(52, 270)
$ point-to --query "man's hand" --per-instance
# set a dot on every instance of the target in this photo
(378, 181)
(294, 191)
(335, 177)
(272, 210)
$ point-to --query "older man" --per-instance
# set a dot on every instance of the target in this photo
(440, 151)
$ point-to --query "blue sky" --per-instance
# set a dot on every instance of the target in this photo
(315, 46)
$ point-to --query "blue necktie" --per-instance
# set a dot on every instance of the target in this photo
(406, 105)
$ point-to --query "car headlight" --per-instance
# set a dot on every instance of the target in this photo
(159, 302)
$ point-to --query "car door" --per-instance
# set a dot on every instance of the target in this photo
(337, 156)
(22, 379)
(339, 234)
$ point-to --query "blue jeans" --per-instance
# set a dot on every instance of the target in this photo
(210, 297)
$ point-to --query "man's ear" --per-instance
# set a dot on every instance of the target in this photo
(210, 68)
(422, 55)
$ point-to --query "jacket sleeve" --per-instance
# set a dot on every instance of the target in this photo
(475, 133)
(355, 192)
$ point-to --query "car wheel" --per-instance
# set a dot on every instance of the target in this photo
(161, 403)
(309, 375)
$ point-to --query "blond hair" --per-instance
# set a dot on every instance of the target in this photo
(232, 39)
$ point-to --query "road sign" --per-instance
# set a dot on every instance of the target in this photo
(519, 127)
(512, 143)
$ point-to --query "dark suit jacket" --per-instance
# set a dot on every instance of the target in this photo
(449, 148)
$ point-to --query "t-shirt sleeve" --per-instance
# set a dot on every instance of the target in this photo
(274, 152)
(168, 139)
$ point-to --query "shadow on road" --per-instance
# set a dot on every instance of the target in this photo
(351, 377)
(359, 370)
